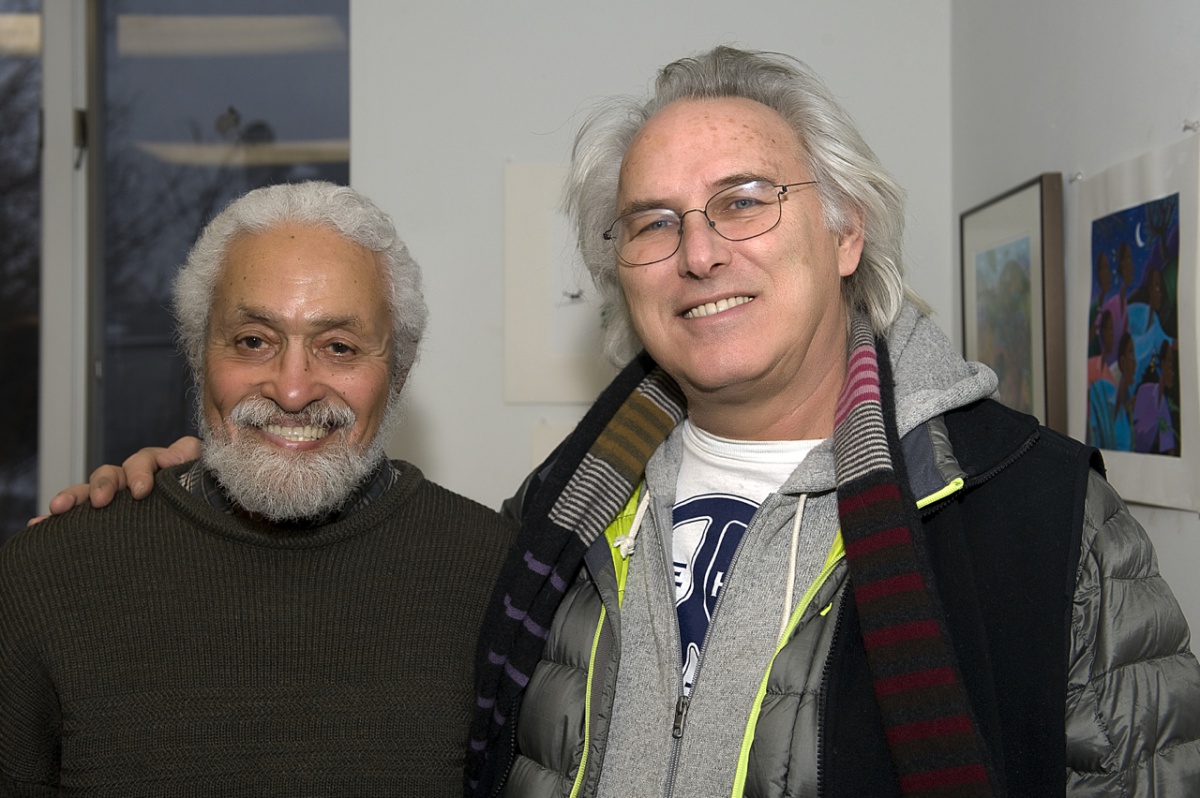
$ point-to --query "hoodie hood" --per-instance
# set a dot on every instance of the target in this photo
(931, 376)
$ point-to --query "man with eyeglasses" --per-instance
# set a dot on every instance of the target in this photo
(795, 548)
(817, 558)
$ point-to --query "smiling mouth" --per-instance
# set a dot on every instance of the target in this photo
(712, 308)
(303, 434)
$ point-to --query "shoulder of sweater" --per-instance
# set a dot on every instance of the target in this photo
(445, 505)
(80, 535)
(415, 480)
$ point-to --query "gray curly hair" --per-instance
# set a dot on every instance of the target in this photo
(851, 183)
(308, 203)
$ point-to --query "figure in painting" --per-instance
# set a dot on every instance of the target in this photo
(1133, 395)
(1155, 430)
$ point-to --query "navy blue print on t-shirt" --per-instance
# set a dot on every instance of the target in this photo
(707, 530)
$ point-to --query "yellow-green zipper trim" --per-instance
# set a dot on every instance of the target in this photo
(953, 487)
(837, 551)
(620, 526)
(587, 706)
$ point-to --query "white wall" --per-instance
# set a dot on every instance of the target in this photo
(1076, 86)
(444, 94)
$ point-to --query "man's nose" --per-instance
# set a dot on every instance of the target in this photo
(701, 247)
(296, 381)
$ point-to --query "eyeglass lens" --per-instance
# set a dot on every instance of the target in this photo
(737, 213)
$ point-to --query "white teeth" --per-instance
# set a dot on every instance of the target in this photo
(710, 308)
(297, 434)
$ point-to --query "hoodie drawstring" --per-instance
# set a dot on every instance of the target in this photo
(791, 575)
(626, 543)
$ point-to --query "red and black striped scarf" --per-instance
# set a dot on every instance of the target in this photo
(931, 732)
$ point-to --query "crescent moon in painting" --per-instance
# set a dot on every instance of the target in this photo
(1137, 235)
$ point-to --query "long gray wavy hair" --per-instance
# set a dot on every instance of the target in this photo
(851, 183)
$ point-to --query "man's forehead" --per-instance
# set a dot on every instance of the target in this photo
(317, 318)
(733, 117)
(302, 273)
(715, 142)
(298, 250)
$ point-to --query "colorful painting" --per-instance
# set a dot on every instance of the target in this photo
(1002, 294)
(1135, 386)
(1012, 296)
(1133, 352)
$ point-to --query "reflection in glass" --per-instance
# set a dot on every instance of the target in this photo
(20, 258)
(202, 101)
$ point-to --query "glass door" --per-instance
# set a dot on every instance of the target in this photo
(20, 258)
(199, 101)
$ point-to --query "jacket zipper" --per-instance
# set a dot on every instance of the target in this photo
(683, 702)
(587, 705)
(1005, 463)
(822, 702)
(681, 707)
(512, 733)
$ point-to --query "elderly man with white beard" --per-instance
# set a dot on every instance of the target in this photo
(293, 613)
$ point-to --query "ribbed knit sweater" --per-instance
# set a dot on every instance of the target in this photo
(162, 648)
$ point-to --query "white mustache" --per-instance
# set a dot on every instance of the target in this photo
(258, 412)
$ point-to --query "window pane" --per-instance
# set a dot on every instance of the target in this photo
(202, 101)
(20, 250)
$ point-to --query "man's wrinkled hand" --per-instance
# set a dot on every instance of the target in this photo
(136, 474)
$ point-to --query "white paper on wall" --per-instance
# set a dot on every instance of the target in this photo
(552, 348)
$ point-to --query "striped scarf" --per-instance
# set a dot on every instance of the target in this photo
(570, 503)
(932, 735)
(933, 738)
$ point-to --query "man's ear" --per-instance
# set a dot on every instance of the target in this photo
(850, 247)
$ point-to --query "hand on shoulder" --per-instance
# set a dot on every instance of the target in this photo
(136, 474)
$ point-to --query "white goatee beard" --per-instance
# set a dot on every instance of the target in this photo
(281, 485)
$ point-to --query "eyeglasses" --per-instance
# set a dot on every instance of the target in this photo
(736, 214)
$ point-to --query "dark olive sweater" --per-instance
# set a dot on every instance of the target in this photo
(162, 648)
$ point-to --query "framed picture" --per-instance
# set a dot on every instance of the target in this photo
(1012, 292)
(1133, 353)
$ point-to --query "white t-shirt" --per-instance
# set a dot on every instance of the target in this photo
(721, 484)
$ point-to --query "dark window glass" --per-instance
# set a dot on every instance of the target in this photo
(20, 257)
(201, 101)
